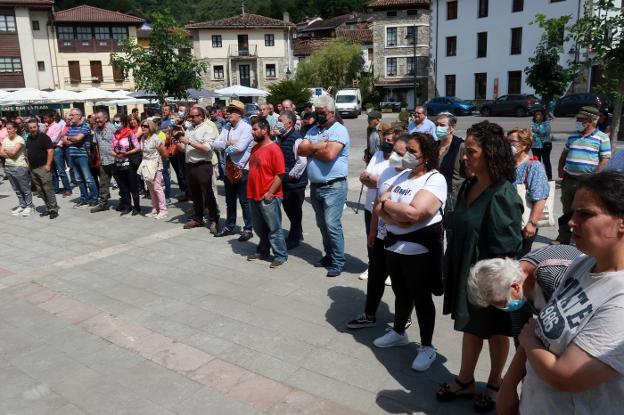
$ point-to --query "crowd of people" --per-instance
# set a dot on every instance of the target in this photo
(485, 196)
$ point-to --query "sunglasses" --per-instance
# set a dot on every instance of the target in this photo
(144, 126)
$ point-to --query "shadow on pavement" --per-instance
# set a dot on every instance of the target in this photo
(418, 393)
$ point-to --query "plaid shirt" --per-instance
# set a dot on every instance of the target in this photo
(104, 139)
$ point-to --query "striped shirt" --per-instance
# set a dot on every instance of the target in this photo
(82, 147)
(586, 152)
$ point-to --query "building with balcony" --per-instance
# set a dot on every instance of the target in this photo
(247, 49)
(401, 41)
(26, 59)
(85, 36)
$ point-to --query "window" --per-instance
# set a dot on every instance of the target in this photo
(96, 71)
(269, 40)
(412, 35)
(35, 24)
(270, 70)
(480, 85)
(7, 23)
(101, 33)
(391, 66)
(449, 84)
(10, 65)
(451, 10)
(412, 12)
(74, 72)
(516, 41)
(451, 46)
(481, 45)
(217, 72)
(216, 41)
(391, 13)
(483, 8)
(514, 82)
(391, 36)
(65, 32)
(119, 32)
(41, 66)
(84, 33)
(118, 75)
(410, 67)
(517, 6)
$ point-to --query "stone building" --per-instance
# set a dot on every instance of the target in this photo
(247, 49)
(401, 43)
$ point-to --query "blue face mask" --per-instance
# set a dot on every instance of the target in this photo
(514, 305)
(117, 125)
(280, 127)
(441, 132)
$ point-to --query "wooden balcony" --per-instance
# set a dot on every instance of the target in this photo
(88, 46)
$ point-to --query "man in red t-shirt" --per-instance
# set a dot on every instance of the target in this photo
(264, 191)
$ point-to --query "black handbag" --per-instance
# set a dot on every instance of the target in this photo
(136, 158)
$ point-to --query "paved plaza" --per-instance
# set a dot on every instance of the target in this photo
(102, 314)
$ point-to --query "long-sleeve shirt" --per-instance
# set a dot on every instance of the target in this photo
(242, 140)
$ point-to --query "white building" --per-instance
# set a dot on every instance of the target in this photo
(480, 48)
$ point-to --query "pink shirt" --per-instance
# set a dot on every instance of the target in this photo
(3, 134)
(54, 131)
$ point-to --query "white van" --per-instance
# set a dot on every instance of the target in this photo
(349, 103)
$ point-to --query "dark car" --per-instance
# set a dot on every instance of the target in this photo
(570, 105)
(453, 105)
(519, 105)
(393, 104)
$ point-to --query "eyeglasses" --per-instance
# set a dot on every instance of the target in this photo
(144, 126)
(419, 113)
(196, 115)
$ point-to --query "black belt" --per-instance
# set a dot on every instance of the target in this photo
(339, 179)
(199, 163)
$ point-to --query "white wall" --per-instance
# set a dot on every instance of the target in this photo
(202, 43)
(498, 24)
(34, 47)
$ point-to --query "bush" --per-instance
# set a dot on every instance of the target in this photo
(293, 90)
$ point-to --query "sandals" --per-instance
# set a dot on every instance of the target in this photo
(445, 394)
(483, 402)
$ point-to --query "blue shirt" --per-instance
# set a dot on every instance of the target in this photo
(427, 127)
(81, 148)
(616, 163)
(533, 175)
(243, 142)
(586, 152)
(321, 171)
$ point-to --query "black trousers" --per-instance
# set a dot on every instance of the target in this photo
(543, 155)
(293, 203)
(179, 166)
(410, 274)
(200, 186)
(377, 274)
(128, 182)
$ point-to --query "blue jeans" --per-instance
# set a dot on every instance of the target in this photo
(167, 177)
(60, 158)
(84, 178)
(328, 202)
(267, 222)
(233, 192)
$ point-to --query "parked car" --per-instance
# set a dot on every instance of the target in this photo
(519, 105)
(252, 109)
(453, 105)
(349, 103)
(570, 105)
(393, 104)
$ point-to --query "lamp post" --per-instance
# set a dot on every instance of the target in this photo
(288, 73)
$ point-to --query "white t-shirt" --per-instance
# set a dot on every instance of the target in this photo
(386, 180)
(587, 309)
(375, 167)
(404, 191)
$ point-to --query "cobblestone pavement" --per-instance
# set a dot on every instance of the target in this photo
(101, 314)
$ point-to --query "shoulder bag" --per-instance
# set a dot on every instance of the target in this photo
(548, 217)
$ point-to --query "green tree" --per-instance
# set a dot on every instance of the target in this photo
(601, 32)
(167, 67)
(335, 66)
(545, 74)
(294, 90)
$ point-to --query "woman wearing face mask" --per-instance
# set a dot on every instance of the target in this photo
(369, 177)
(411, 210)
(574, 348)
(486, 224)
(515, 285)
(377, 269)
(125, 145)
(451, 153)
(531, 173)
(542, 141)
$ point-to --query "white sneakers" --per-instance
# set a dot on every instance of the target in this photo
(27, 211)
(388, 282)
(21, 211)
(426, 356)
(364, 275)
(391, 339)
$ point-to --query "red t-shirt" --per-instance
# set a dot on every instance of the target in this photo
(265, 162)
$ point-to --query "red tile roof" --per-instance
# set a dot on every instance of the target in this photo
(306, 46)
(27, 2)
(396, 4)
(90, 14)
(247, 20)
(356, 35)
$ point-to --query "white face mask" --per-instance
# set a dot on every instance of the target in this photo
(580, 127)
(410, 161)
(188, 124)
(514, 150)
(395, 160)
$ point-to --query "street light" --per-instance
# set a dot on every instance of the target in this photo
(288, 73)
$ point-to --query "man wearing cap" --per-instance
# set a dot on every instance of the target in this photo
(236, 142)
(421, 123)
(326, 145)
(586, 152)
(197, 144)
(372, 135)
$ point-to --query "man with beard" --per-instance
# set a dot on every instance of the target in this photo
(40, 154)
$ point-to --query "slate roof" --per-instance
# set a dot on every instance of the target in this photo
(396, 4)
(328, 24)
(27, 2)
(247, 21)
(90, 14)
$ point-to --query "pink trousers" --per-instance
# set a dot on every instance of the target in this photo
(157, 194)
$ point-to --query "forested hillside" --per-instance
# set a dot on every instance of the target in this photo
(200, 10)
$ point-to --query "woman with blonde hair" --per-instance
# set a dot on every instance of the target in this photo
(151, 168)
